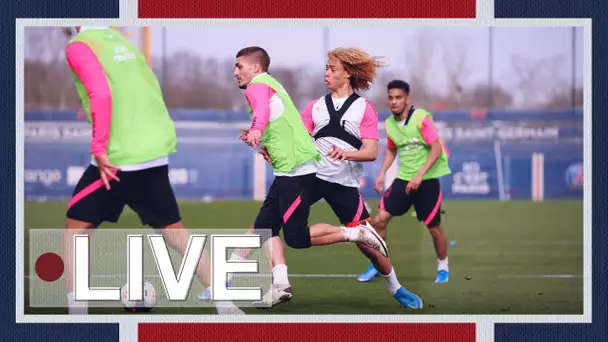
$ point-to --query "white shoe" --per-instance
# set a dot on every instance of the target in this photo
(274, 296)
(369, 237)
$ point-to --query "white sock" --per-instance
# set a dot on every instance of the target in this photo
(234, 257)
(442, 265)
(225, 307)
(77, 307)
(392, 282)
(350, 234)
(279, 275)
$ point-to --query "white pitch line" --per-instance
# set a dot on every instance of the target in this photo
(313, 275)
(549, 276)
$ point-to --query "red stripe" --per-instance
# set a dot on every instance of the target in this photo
(435, 209)
(306, 332)
(291, 209)
(308, 9)
(356, 223)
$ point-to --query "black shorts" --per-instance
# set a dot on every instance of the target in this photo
(426, 200)
(287, 206)
(148, 192)
(346, 202)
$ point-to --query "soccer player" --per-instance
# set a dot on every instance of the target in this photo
(133, 135)
(423, 160)
(345, 128)
(293, 156)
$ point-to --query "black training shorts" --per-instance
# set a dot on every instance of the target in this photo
(287, 205)
(148, 192)
(426, 200)
(345, 201)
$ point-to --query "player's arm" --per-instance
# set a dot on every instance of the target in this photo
(431, 138)
(85, 65)
(369, 136)
(258, 95)
(368, 152)
(307, 119)
(389, 156)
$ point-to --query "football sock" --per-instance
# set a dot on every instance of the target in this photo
(442, 265)
(392, 282)
(279, 275)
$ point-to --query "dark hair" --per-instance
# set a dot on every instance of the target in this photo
(258, 54)
(399, 84)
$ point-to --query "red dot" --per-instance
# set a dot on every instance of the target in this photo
(49, 267)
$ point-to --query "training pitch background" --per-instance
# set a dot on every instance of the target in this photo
(503, 9)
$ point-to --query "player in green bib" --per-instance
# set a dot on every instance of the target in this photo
(423, 160)
(132, 138)
(277, 124)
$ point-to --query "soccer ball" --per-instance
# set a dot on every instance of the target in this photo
(144, 305)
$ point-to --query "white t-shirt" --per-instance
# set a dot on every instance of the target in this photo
(360, 120)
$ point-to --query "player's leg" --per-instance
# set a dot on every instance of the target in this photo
(394, 202)
(294, 202)
(347, 203)
(269, 217)
(428, 209)
(91, 204)
(151, 196)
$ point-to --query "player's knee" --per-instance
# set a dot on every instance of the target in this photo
(298, 238)
(435, 230)
(380, 221)
(77, 225)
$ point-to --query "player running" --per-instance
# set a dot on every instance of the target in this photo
(133, 135)
(345, 128)
(293, 158)
(423, 160)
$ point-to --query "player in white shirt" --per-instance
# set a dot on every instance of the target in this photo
(344, 126)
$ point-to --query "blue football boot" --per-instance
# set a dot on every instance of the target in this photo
(443, 276)
(408, 299)
(368, 275)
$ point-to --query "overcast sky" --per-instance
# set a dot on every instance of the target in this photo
(541, 47)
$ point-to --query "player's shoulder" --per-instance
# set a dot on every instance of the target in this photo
(423, 112)
(369, 105)
(317, 103)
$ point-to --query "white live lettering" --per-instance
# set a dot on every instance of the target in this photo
(177, 285)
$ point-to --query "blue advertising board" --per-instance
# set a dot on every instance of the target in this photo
(488, 161)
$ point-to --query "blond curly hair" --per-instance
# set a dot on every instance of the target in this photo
(359, 64)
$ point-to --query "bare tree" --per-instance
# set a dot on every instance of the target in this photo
(538, 79)
(480, 95)
(419, 62)
(47, 80)
(456, 67)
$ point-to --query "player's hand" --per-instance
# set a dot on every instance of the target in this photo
(337, 153)
(413, 184)
(254, 138)
(379, 184)
(107, 171)
(243, 135)
(264, 153)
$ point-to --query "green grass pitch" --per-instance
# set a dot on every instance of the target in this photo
(499, 264)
